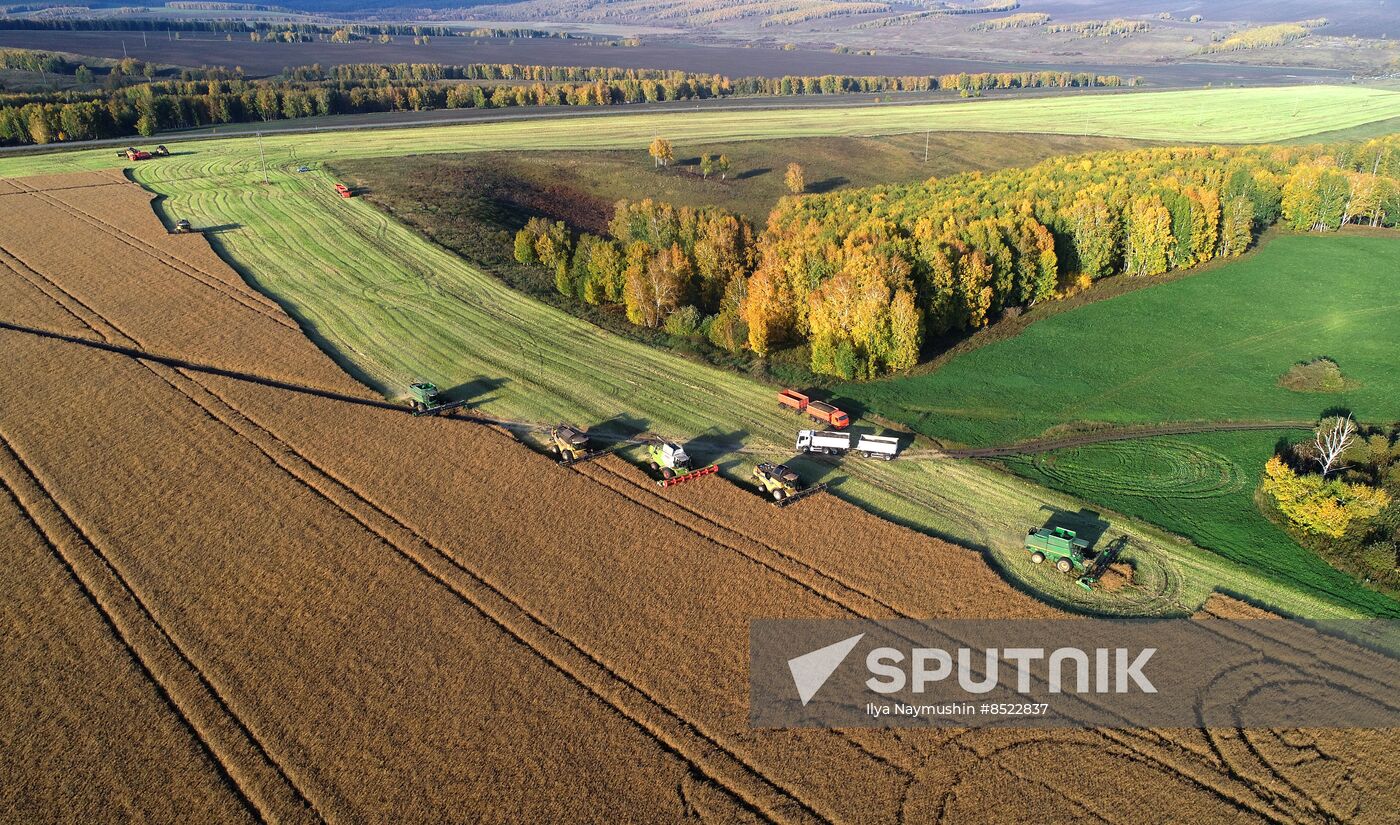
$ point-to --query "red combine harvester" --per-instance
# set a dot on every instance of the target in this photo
(344, 191)
(132, 153)
(819, 410)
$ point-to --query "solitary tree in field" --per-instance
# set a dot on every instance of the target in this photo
(795, 179)
(1332, 438)
(660, 151)
(722, 166)
(707, 165)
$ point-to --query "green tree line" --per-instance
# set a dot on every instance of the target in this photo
(227, 97)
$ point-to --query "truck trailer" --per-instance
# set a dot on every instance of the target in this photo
(830, 443)
(820, 410)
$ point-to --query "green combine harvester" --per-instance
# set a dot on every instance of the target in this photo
(1067, 551)
(424, 399)
(782, 483)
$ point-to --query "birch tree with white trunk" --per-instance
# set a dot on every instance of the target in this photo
(1332, 438)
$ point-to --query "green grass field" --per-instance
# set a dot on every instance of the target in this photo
(1209, 347)
(1213, 115)
(1198, 486)
(1205, 348)
(393, 307)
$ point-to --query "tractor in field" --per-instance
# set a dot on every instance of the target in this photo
(1064, 549)
(132, 153)
(161, 151)
(782, 483)
(671, 461)
(344, 191)
(182, 227)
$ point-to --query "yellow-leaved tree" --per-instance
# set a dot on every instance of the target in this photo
(1327, 507)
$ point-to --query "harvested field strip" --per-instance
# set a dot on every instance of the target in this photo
(1239, 115)
(180, 363)
(243, 297)
(256, 776)
(704, 753)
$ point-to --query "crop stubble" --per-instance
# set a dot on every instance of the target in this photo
(329, 617)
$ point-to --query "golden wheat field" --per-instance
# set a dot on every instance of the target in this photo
(238, 586)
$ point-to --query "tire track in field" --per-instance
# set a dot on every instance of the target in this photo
(240, 758)
(1115, 434)
(250, 298)
(251, 742)
(669, 729)
(243, 298)
(59, 531)
(1149, 738)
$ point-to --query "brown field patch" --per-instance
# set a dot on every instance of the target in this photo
(310, 608)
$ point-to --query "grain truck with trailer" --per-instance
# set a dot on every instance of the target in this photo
(820, 410)
(832, 443)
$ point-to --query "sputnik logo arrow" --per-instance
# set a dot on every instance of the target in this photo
(811, 670)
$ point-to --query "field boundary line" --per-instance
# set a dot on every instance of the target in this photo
(257, 780)
(668, 727)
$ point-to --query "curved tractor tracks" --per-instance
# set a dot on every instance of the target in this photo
(279, 797)
(1152, 748)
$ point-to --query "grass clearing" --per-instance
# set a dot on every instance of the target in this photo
(1205, 348)
(1208, 348)
(1198, 486)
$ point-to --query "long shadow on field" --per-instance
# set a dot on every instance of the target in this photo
(715, 447)
(620, 427)
(1087, 524)
(473, 390)
(821, 187)
(752, 173)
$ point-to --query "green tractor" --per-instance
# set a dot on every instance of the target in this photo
(423, 396)
(1062, 547)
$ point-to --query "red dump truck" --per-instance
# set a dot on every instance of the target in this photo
(820, 410)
